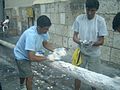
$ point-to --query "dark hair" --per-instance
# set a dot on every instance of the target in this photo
(92, 4)
(116, 21)
(7, 17)
(43, 21)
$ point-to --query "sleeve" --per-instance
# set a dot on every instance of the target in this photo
(30, 42)
(102, 28)
(75, 26)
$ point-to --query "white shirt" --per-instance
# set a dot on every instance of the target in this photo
(90, 30)
(5, 23)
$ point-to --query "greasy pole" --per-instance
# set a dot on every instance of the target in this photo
(91, 78)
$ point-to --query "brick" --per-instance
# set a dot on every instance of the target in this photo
(55, 18)
(105, 53)
(43, 8)
(115, 56)
(106, 6)
(116, 40)
(62, 18)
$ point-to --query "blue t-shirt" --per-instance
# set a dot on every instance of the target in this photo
(30, 40)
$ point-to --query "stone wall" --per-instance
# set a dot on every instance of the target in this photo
(62, 14)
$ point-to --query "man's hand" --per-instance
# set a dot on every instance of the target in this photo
(86, 43)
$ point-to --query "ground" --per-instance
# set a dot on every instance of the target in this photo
(45, 78)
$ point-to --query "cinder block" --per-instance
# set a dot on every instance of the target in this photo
(115, 56)
(62, 18)
(108, 41)
(55, 18)
(58, 40)
(43, 8)
(65, 41)
(37, 11)
(108, 18)
(71, 44)
(105, 53)
(58, 29)
(52, 28)
(118, 5)
(56, 7)
(110, 6)
(70, 31)
(62, 7)
(116, 40)
(69, 18)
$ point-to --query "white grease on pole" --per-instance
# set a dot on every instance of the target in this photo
(97, 80)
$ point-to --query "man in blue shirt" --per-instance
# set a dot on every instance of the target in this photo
(28, 44)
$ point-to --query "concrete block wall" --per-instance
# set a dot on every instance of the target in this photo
(63, 13)
(111, 47)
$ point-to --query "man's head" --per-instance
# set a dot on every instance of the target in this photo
(116, 22)
(43, 24)
(7, 17)
(91, 8)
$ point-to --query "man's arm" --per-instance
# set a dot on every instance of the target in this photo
(99, 42)
(33, 57)
(48, 46)
(75, 37)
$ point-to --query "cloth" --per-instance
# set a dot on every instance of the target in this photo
(24, 67)
(89, 30)
(30, 40)
(76, 57)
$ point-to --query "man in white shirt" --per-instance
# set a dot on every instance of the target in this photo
(89, 31)
(5, 23)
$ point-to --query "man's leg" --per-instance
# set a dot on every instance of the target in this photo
(83, 65)
(77, 84)
(94, 65)
(29, 83)
(22, 85)
(22, 81)
(93, 88)
(0, 87)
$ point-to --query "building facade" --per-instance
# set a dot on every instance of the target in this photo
(62, 13)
